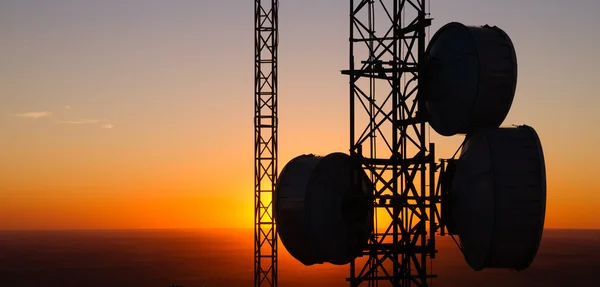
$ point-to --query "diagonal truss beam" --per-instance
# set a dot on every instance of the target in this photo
(265, 141)
(388, 135)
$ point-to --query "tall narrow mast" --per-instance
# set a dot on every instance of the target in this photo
(265, 141)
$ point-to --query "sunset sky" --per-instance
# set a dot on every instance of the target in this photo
(138, 113)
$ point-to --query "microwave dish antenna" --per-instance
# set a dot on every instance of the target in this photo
(329, 209)
(322, 215)
(471, 78)
(498, 198)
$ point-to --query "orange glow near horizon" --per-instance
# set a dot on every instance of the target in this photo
(123, 116)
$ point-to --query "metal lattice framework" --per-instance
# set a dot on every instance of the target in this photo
(265, 141)
(388, 134)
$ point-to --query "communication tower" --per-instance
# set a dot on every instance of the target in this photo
(388, 136)
(379, 208)
(265, 140)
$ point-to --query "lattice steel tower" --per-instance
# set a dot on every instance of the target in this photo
(377, 208)
(388, 134)
(265, 140)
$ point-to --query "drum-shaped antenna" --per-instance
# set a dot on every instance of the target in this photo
(470, 78)
(498, 198)
(321, 214)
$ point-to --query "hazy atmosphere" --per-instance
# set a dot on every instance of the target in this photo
(138, 114)
(127, 136)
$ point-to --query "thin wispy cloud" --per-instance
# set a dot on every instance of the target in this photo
(80, 122)
(108, 126)
(67, 107)
(34, 115)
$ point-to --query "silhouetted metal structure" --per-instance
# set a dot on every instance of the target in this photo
(265, 140)
(498, 197)
(321, 216)
(471, 78)
(377, 209)
(388, 134)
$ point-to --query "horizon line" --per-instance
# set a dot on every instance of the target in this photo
(210, 228)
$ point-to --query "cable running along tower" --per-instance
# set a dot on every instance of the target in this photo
(265, 141)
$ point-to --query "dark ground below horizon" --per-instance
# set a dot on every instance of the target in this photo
(195, 258)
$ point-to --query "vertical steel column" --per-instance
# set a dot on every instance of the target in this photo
(388, 136)
(265, 141)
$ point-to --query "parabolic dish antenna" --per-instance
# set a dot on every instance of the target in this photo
(471, 77)
(493, 197)
(321, 215)
(498, 197)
